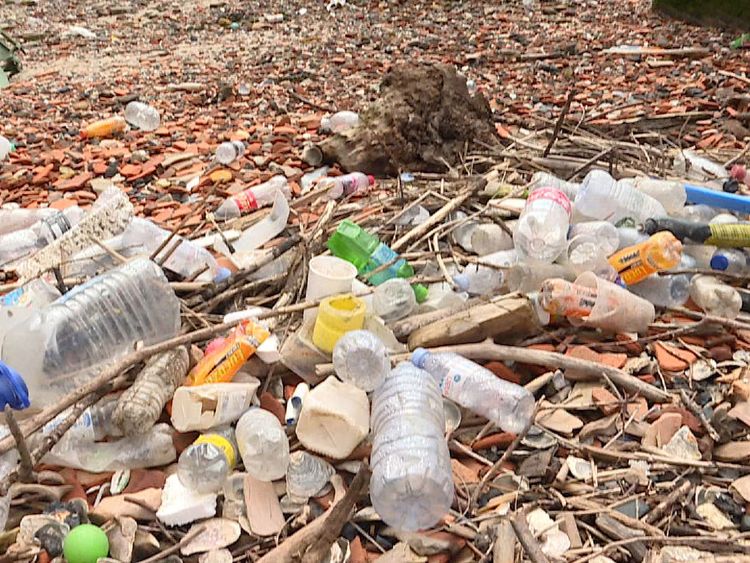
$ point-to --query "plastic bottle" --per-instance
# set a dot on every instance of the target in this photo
(691, 166)
(629, 236)
(660, 252)
(21, 303)
(468, 384)
(5, 148)
(253, 198)
(346, 185)
(59, 346)
(487, 278)
(229, 151)
(715, 297)
(585, 253)
(206, 463)
(20, 243)
(604, 232)
(700, 213)
(462, 233)
(489, 238)
(664, 291)
(142, 116)
(361, 358)
(411, 485)
(202, 407)
(94, 424)
(339, 121)
(602, 197)
(187, 260)
(670, 193)
(140, 406)
(352, 243)
(525, 278)
(306, 475)
(442, 296)
(545, 179)
(17, 218)
(730, 260)
(542, 229)
(731, 235)
(263, 445)
(104, 128)
(393, 300)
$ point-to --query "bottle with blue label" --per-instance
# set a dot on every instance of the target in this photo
(506, 404)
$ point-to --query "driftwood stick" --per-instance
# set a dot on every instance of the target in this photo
(560, 121)
(698, 412)
(528, 541)
(680, 492)
(26, 468)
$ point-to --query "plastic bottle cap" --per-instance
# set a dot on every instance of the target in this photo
(371, 179)
(85, 544)
(221, 274)
(420, 292)
(719, 262)
(419, 357)
(13, 390)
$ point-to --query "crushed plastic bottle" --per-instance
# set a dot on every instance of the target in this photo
(361, 358)
(692, 166)
(664, 291)
(343, 186)
(393, 300)
(17, 218)
(339, 121)
(252, 198)
(306, 475)
(715, 297)
(140, 406)
(59, 346)
(206, 463)
(488, 277)
(142, 116)
(263, 445)
(489, 238)
(670, 193)
(229, 151)
(411, 485)
(542, 230)
(20, 243)
(602, 197)
(662, 251)
(104, 128)
(730, 260)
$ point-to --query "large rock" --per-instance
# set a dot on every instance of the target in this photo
(731, 13)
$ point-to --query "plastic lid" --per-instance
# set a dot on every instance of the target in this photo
(13, 390)
(420, 292)
(221, 274)
(719, 262)
(371, 179)
(419, 357)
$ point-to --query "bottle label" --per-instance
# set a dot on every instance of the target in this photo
(246, 201)
(57, 225)
(568, 300)
(222, 443)
(552, 194)
(729, 235)
(452, 384)
(16, 298)
(82, 429)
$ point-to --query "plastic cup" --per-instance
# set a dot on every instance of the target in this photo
(327, 275)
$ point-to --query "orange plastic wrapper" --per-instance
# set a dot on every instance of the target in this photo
(104, 128)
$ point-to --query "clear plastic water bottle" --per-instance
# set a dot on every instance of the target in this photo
(17, 218)
(58, 347)
(525, 278)
(630, 236)
(468, 384)
(715, 297)
(697, 213)
(229, 151)
(411, 485)
(339, 121)
(602, 197)
(603, 231)
(586, 253)
(206, 463)
(490, 238)
(393, 300)
(263, 445)
(346, 185)
(730, 260)
(140, 406)
(361, 358)
(542, 230)
(670, 193)
(664, 291)
(306, 475)
(21, 303)
(253, 198)
(20, 243)
(545, 179)
(489, 277)
(142, 116)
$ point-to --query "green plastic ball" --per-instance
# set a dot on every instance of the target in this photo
(85, 544)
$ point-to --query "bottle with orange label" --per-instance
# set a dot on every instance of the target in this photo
(661, 251)
(104, 128)
(222, 362)
(559, 297)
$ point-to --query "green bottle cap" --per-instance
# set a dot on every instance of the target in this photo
(420, 292)
(85, 544)
(352, 243)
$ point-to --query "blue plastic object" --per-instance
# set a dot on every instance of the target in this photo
(419, 356)
(13, 390)
(719, 262)
(721, 200)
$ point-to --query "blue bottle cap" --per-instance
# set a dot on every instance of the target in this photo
(221, 274)
(13, 390)
(419, 357)
(719, 262)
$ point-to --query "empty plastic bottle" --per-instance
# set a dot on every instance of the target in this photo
(547, 180)
(306, 475)
(206, 463)
(542, 230)
(143, 116)
(468, 384)
(715, 297)
(629, 236)
(263, 445)
(700, 213)
(670, 193)
(585, 253)
(461, 234)
(20, 243)
(525, 278)
(99, 321)
(489, 238)
(343, 186)
(692, 166)
(442, 296)
(664, 291)
(229, 151)
(602, 197)
(487, 278)
(17, 218)
(253, 198)
(411, 485)
(104, 128)
(361, 358)
(5, 148)
(140, 406)
(730, 260)
(339, 121)
(604, 232)
(393, 300)
(662, 251)
(94, 424)
(21, 303)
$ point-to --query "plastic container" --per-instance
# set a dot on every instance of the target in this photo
(339, 121)
(142, 116)
(361, 358)
(21, 303)
(337, 315)
(346, 185)
(140, 406)
(265, 229)
(468, 384)
(604, 232)
(263, 445)
(206, 463)
(442, 296)
(411, 485)
(489, 238)
(306, 475)
(602, 197)
(202, 407)
(58, 348)
(629, 236)
(104, 128)
(586, 253)
(730, 260)
(542, 229)
(696, 213)
(229, 151)
(326, 276)
(334, 419)
(17, 218)
(547, 180)
(662, 251)
(253, 198)
(525, 278)
(221, 364)
(715, 297)
(489, 277)
(670, 193)
(394, 300)
(664, 291)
